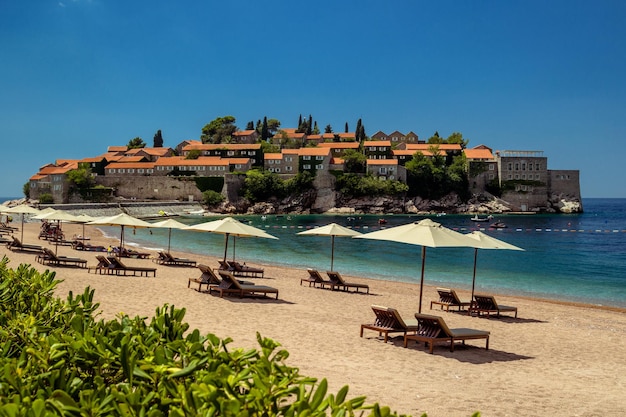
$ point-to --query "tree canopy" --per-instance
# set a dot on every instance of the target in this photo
(219, 130)
(136, 143)
(158, 139)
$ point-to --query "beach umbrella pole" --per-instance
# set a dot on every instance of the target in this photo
(225, 246)
(474, 276)
(419, 310)
(332, 252)
(169, 240)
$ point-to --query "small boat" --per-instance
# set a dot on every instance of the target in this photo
(382, 221)
(476, 218)
(498, 225)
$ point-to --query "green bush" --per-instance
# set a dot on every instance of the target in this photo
(58, 360)
(356, 185)
(46, 198)
(212, 198)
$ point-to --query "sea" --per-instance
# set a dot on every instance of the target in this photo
(566, 257)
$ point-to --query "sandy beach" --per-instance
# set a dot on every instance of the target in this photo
(555, 359)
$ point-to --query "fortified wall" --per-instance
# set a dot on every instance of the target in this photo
(153, 187)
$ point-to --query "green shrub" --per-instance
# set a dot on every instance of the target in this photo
(46, 198)
(212, 198)
(58, 360)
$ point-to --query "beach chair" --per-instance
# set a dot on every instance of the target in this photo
(17, 246)
(47, 257)
(337, 280)
(130, 253)
(230, 285)
(102, 267)
(240, 270)
(166, 258)
(448, 298)
(209, 278)
(433, 329)
(486, 304)
(388, 320)
(315, 278)
(120, 268)
(81, 245)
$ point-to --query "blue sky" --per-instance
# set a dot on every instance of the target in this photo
(80, 75)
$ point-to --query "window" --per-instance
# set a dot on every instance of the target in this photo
(516, 166)
(510, 176)
(492, 167)
(509, 166)
(530, 167)
(517, 176)
(381, 148)
(289, 159)
(391, 177)
(277, 170)
(382, 170)
(306, 166)
(306, 158)
(536, 176)
(491, 176)
(230, 153)
(523, 166)
(288, 168)
(536, 167)
(319, 158)
(320, 166)
(271, 162)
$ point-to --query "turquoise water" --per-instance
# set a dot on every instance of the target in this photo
(578, 257)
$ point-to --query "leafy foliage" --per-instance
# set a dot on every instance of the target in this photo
(219, 130)
(262, 185)
(355, 185)
(158, 139)
(212, 198)
(136, 143)
(354, 161)
(58, 360)
(45, 198)
(209, 183)
(193, 154)
(434, 177)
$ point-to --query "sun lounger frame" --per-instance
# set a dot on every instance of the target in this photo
(433, 329)
(388, 320)
(448, 298)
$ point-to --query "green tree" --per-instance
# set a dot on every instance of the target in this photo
(158, 139)
(346, 128)
(193, 154)
(316, 130)
(136, 143)
(328, 129)
(435, 138)
(309, 126)
(250, 125)
(272, 126)
(81, 178)
(457, 137)
(355, 161)
(26, 189)
(219, 130)
(212, 198)
(265, 134)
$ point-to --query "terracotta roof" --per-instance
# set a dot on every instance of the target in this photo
(242, 161)
(441, 146)
(132, 165)
(336, 161)
(382, 162)
(150, 151)
(226, 146)
(377, 143)
(180, 160)
(339, 145)
(273, 156)
(117, 148)
(137, 158)
(346, 135)
(244, 133)
(317, 151)
(478, 154)
(93, 159)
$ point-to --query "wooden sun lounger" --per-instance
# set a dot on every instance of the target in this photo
(166, 258)
(338, 281)
(81, 245)
(120, 268)
(240, 270)
(315, 278)
(388, 320)
(17, 246)
(209, 278)
(448, 298)
(230, 285)
(130, 253)
(433, 329)
(103, 266)
(486, 304)
(47, 257)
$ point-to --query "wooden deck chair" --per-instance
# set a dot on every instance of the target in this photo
(48, 257)
(338, 281)
(17, 246)
(314, 279)
(102, 267)
(207, 278)
(388, 320)
(166, 258)
(433, 329)
(242, 270)
(448, 298)
(230, 285)
(121, 269)
(486, 304)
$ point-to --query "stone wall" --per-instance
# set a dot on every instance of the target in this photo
(153, 188)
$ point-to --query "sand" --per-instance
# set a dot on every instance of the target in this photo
(555, 359)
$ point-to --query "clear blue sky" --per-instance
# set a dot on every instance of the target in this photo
(79, 75)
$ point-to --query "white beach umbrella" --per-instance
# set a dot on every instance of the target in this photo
(227, 227)
(169, 224)
(425, 233)
(332, 230)
(123, 220)
(22, 209)
(57, 215)
(487, 242)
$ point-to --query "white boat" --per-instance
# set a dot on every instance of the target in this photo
(476, 218)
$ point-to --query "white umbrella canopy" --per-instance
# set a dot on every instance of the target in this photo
(83, 219)
(332, 230)
(22, 209)
(227, 227)
(487, 242)
(123, 220)
(169, 224)
(425, 233)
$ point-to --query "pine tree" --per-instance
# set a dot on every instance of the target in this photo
(264, 132)
(309, 128)
(250, 125)
(158, 139)
(346, 127)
